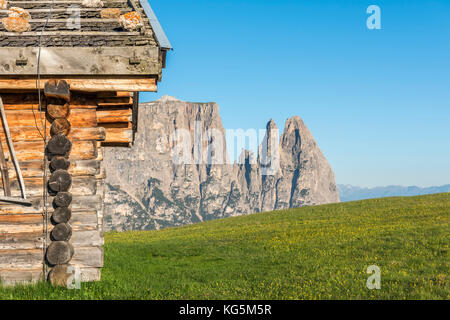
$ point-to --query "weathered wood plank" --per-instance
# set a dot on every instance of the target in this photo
(79, 204)
(34, 227)
(79, 220)
(21, 259)
(32, 259)
(15, 276)
(84, 185)
(112, 60)
(22, 241)
(34, 240)
(87, 238)
(90, 274)
(88, 257)
(34, 169)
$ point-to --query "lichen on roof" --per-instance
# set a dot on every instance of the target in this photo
(79, 24)
(112, 37)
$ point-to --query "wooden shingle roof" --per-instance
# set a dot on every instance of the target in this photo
(77, 41)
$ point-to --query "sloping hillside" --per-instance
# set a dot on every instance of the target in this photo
(308, 253)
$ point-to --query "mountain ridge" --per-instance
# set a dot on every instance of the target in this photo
(349, 192)
(178, 171)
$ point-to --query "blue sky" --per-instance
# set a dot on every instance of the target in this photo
(377, 101)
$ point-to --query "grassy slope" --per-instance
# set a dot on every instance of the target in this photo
(308, 253)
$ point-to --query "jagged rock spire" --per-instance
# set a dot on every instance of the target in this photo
(287, 171)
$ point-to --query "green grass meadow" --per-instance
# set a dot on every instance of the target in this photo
(308, 253)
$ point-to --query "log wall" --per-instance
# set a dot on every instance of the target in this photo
(97, 120)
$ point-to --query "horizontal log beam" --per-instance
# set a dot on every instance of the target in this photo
(118, 135)
(87, 84)
(26, 232)
(11, 229)
(32, 259)
(115, 94)
(34, 187)
(20, 219)
(79, 118)
(30, 101)
(82, 220)
(89, 274)
(113, 116)
(30, 241)
(79, 220)
(75, 134)
(119, 101)
(34, 169)
(22, 241)
(16, 276)
(88, 257)
(79, 204)
(28, 151)
(117, 125)
(26, 259)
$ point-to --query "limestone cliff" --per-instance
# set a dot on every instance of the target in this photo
(178, 171)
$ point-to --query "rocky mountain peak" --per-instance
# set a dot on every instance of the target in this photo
(168, 98)
(271, 125)
(149, 190)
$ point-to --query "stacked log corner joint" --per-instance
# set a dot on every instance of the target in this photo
(60, 251)
(92, 121)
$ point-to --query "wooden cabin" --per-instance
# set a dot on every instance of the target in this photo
(88, 66)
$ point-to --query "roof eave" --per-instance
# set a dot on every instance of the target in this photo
(160, 35)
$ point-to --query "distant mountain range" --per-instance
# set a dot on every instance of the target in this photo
(353, 193)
